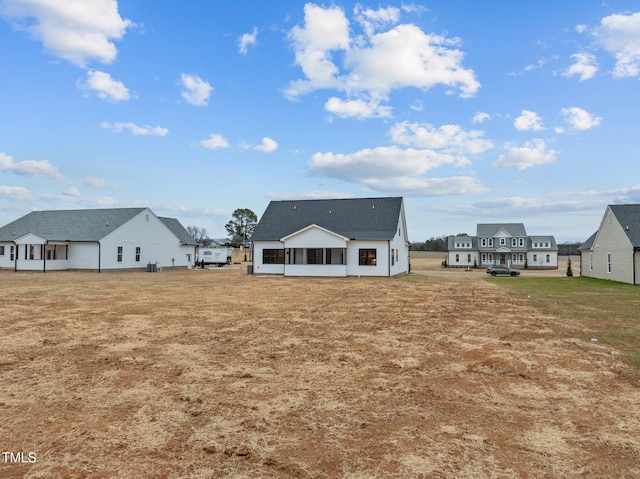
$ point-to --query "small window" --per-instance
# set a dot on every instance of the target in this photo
(590, 261)
(503, 241)
(273, 256)
(367, 257)
(608, 262)
(548, 258)
(119, 259)
(137, 254)
(535, 257)
(12, 253)
(457, 258)
(1, 250)
(32, 251)
(468, 258)
(393, 257)
(397, 255)
(484, 241)
(521, 242)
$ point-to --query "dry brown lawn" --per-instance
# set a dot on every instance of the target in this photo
(214, 373)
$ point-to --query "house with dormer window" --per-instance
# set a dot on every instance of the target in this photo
(502, 243)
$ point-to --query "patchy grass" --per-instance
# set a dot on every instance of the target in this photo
(216, 373)
(608, 310)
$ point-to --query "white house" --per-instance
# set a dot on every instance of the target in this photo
(503, 243)
(613, 252)
(95, 239)
(333, 237)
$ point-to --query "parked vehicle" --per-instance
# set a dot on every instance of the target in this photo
(497, 269)
(217, 256)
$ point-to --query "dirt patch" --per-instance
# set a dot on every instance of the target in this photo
(215, 373)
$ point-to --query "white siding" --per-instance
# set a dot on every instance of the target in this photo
(258, 267)
(382, 258)
(611, 239)
(157, 245)
(400, 244)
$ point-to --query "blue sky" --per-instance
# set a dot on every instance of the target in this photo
(472, 111)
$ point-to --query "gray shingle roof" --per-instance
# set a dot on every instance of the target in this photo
(544, 239)
(354, 218)
(177, 229)
(629, 218)
(488, 230)
(69, 225)
(589, 243)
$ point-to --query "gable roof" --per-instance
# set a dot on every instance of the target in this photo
(177, 229)
(69, 225)
(629, 218)
(589, 243)
(488, 230)
(353, 218)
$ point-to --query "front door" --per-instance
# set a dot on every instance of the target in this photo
(503, 259)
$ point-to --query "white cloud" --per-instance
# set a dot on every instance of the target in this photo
(247, 40)
(377, 63)
(15, 193)
(215, 142)
(105, 87)
(585, 66)
(72, 191)
(195, 90)
(581, 28)
(373, 20)
(309, 195)
(528, 121)
(357, 108)
(533, 153)
(393, 169)
(76, 31)
(580, 119)
(135, 129)
(377, 163)
(619, 34)
(267, 146)
(30, 168)
(480, 117)
(455, 185)
(96, 182)
(449, 138)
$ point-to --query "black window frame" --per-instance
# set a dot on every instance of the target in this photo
(367, 256)
(273, 256)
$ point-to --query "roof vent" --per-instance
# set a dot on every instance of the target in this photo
(294, 207)
(373, 207)
(627, 227)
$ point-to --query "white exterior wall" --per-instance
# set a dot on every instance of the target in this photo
(258, 267)
(5, 259)
(382, 258)
(400, 243)
(463, 258)
(82, 256)
(541, 261)
(157, 245)
(611, 239)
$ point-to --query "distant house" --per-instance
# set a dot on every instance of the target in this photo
(94, 239)
(334, 237)
(613, 252)
(503, 243)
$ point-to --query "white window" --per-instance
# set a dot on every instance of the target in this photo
(468, 258)
(535, 257)
(2, 250)
(484, 258)
(590, 261)
(484, 241)
(457, 258)
(503, 241)
(119, 257)
(490, 241)
(548, 258)
(137, 253)
(514, 241)
(608, 262)
(521, 258)
(11, 253)
(521, 242)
